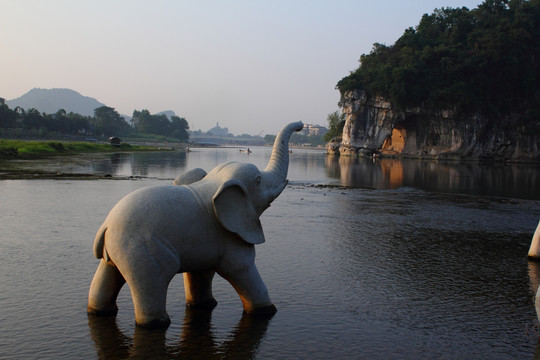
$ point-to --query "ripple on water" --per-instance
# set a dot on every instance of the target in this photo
(354, 273)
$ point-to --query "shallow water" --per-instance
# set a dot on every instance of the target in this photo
(414, 260)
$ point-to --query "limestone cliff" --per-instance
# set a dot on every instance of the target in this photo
(373, 127)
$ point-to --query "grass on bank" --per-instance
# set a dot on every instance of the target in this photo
(29, 149)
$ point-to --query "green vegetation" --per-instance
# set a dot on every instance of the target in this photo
(31, 149)
(108, 122)
(144, 122)
(105, 123)
(485, 60)
(336, 122)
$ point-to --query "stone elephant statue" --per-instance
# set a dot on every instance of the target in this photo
(200, 225)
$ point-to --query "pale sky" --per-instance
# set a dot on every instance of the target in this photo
(253, 66)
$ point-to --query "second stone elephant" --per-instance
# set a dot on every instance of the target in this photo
(203, 224)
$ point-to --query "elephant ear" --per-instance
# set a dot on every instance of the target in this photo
(234, 211)
(189, 177)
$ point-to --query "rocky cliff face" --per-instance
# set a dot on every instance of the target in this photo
(374, 127)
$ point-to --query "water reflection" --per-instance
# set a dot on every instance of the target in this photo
(197, 340)
(112, 165)
(404, 273)
(313, 166)
(517, 180)
(366, 173)
(143, 164)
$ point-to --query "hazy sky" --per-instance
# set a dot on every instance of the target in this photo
(253, 66)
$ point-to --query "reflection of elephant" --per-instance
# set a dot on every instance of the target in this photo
(197, 340)
(207, 223)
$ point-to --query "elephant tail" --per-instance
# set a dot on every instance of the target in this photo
(99, 244)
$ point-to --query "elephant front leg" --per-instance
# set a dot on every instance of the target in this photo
(104, 290)
(198, 289)
(252, 291)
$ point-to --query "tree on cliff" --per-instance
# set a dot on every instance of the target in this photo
(482, 60)
(336, 122)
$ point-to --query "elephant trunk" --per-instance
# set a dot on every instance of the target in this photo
(279, 160)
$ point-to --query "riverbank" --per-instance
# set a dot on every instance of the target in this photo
(31, 159)
(72, 166)
(19, 174)
(31, 149)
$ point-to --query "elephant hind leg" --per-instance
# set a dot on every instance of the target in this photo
(198, 289)
(104, 290)
(150, 303)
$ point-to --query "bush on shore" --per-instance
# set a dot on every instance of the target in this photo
(29, 149)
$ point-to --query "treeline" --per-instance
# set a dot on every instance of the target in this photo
(106, 122)
(483, 60)
(145, 123)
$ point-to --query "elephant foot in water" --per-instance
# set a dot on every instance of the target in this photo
(198, 289)
(267, 311)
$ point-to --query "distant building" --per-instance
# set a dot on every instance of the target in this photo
(114, 141)
(317, 130)
(218, 131)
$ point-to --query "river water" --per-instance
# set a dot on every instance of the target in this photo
(364, 259)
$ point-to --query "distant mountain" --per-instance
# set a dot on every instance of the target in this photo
(51, 100)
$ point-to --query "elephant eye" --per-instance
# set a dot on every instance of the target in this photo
(258, 180)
